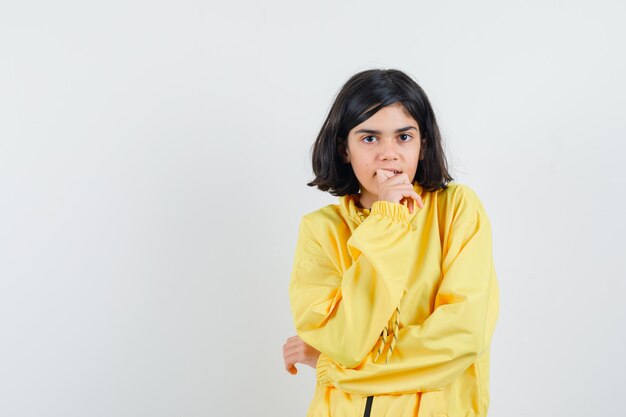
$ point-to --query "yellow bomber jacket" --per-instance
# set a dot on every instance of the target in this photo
(356, 269)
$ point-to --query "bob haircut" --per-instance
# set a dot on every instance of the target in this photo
(359, 99)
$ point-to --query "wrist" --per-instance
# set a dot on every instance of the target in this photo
(396, 211)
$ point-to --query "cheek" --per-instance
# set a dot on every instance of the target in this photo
(363, 171)
(366, 170)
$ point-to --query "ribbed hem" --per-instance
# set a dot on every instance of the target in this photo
(321, 370)
(396, 211)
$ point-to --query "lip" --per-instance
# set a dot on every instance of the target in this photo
(392, 169)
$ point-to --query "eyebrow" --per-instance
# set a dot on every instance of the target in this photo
(377, 132)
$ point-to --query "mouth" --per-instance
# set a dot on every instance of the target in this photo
(395, 172)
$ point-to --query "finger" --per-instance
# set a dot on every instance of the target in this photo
(407, 204)
(293, 358)
(406, 190)
(291, 368)
(383, 175)
(400, 191)
(290, 361)
(398, 179)
(418, 200)
(292, 348)
(405, 177)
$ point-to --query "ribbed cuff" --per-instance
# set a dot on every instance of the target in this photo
(321, 369)
(396, 211)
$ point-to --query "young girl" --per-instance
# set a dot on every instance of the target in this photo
(393, 290)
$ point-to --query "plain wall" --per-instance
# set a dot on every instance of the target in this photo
(153, 166)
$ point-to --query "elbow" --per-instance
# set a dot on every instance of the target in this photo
(467, 355)
(350, 357)
(470, 347)
(475, 349)
(348, 361)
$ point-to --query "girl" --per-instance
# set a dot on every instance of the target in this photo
(393, 290)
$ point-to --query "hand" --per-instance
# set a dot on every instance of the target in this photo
(295, 350)
(397, 189)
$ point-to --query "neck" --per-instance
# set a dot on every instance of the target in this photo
(366, 200)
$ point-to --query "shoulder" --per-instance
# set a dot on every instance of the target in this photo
(326, 214)
(457, 193)
(459, 202)
(322, 220)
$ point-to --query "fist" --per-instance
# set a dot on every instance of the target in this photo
(295, 350)
(397, 189)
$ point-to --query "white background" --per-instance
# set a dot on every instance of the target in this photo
(153, 167)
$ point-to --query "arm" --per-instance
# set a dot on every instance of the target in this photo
(342, 315)
(432, 354)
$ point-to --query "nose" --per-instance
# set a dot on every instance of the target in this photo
(388, 150)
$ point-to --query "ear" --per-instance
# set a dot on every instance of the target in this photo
(344, 152)
(422, 150)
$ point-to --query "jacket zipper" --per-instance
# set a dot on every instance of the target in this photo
(368, 406)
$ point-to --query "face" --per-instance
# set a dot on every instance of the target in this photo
(390, 139)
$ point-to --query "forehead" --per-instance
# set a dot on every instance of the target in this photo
(389, 118)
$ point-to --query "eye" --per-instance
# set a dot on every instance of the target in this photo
(367, 137)
(408, 137)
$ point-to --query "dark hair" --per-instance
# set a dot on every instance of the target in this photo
(361, 96)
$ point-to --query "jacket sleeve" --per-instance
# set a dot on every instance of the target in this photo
(342, 314)
(432, 354)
